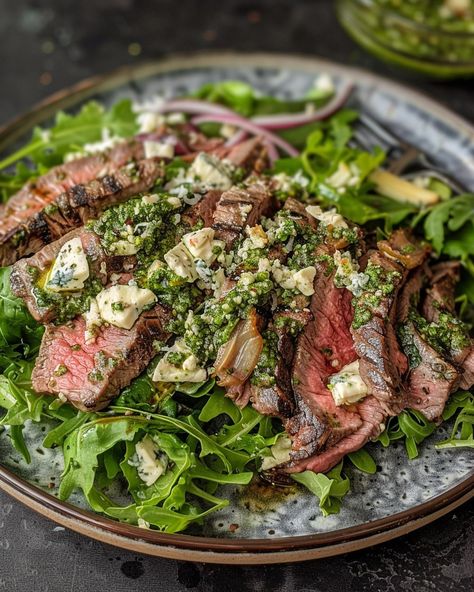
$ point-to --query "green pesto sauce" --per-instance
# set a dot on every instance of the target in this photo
(291, 326)
(408, 345)
(213, 327)
(381, 284)
(134, 221)
(176, 293)
(448, 335)
(67, 306)
(264, 372)
(430, 31)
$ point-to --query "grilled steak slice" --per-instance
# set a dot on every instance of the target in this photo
(241, 207)
(439, 306)
(382, 363)
(323, 348)
(440, 293)
(431, 379)
(74, 207)
(251, 155)
(274, 397)
(22, 213)
(26, 273)
(402, 247)
(203, 210)
(90, 375)
(371, 417)
(467, 379)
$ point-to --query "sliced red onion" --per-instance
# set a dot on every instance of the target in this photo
(288, 120)
(236, 138)
(249, 126)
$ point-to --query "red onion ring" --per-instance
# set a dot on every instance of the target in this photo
(289, 120)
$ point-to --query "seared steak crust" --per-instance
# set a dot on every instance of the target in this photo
(74, 207)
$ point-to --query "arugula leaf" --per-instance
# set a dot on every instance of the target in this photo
(410, 425)
(449, 215)
(363, 461)
(330, 488)
(242, 97)
(20, 334)
(69, 133)
(462, 434)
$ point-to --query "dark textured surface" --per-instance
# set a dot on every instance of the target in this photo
(46, 45)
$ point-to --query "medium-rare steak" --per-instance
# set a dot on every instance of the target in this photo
(371, 417)
(271, 389)
(323, 348)
(28, 233)
(90, 374)
(431, 379)
(382, 363)
(28, 273)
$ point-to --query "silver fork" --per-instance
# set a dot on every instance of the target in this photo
(403, 158)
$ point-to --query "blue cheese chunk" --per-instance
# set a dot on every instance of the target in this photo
(70, 269)
(347, 386)
(212, 171)
(151, 463)
(158, 149)
(122, 305)
(181, 262)
(201, 245)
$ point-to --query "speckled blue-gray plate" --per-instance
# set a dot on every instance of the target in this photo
(402, 495)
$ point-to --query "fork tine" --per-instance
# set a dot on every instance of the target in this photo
(379, 131)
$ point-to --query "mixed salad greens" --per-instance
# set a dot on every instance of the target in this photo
(204, 439)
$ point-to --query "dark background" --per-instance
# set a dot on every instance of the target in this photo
(47, 45)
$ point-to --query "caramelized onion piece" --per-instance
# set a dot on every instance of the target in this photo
(237, 358)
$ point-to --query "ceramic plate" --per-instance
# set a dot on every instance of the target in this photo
(402, 495)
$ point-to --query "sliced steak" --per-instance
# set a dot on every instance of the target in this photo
(90, 375)
(431, 379)
(274, 396)
(77, 205)
(467, 379)
(323, 348)
(382, 363)
(371, 417)
(22, 213)
(440, 295)
(27, 273)
(203, 210)
(240, 207)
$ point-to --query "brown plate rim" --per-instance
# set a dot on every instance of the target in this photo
(201, 548)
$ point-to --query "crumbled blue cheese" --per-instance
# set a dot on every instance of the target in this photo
(212, 171)
(158, 149)
(121, 305)
(70, 269)
(347, 274)
(279, 453)
(189, 371)
(304, 280)
(301, 280)
(150, 461)
(181, 262)
(201, 244)
(329, 217)
(347, 386)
